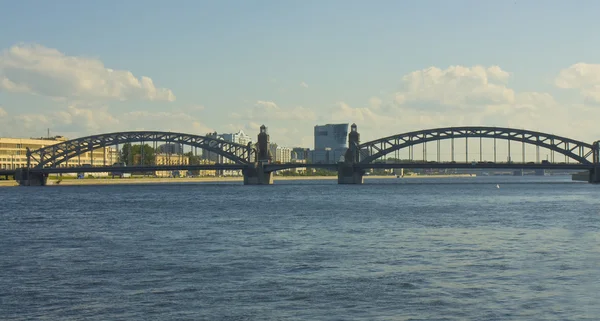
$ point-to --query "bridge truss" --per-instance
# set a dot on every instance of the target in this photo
(55, 155)
(573, 149)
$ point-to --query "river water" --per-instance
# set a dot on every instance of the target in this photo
(395, 249)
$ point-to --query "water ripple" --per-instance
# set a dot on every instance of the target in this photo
(389, 250)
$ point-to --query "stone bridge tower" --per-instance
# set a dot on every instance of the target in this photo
(263, 153)
(255, 174)
(347, 173)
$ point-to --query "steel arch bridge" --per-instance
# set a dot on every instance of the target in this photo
(574, 149)
(54, 155)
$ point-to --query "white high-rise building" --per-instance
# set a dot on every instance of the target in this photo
(238, 138)
(280, 154)
(283, 154)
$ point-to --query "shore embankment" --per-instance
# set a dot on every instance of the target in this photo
(159, 180)
(163, 180)
(8, 183)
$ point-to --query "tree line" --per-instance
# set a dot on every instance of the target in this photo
(146, 155)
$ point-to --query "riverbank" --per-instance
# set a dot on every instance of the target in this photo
(151, 180)
(154, 180)
(439, 176)
(8, 183)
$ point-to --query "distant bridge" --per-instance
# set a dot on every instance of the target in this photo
(254, 161)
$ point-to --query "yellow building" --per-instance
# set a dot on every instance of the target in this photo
(168, 159)
(204, 173)
(174, 159)
(171, 159)
(13, 153)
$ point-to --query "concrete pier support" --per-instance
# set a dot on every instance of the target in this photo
(256, 175)
(348, 175)
(26, 178)
(594, 177)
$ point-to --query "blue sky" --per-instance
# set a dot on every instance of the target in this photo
(234, 65)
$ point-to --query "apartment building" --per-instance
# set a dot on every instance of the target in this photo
(13, 152)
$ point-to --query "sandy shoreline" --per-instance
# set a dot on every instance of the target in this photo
(115, 181)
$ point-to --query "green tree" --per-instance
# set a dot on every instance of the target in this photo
(322, 172)
(194, 160)
(142, 150)
(132, 154)
(126, 155)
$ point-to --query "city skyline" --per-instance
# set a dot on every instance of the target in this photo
(390, 67)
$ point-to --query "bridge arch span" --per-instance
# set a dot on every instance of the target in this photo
(54, 155)
(574, 149)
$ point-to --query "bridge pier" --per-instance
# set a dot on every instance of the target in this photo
(349, 175)
(594, 176)
(256, 175)
(26, 178)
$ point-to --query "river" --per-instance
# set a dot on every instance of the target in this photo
(485, 248)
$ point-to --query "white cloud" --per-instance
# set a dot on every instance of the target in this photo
(456, 86)
(267, 110)
(496, 73)
(24, 125)
(579, 75)
(72, 120)
(342, 112)
(84, 119)
(266, 105)
(583, 77)
(8, 85)
(375, 103)
(534, 100)
(165, 121)
(376, 119)
(429, 98)
(303, 84)
(432, 97)
(39, 70)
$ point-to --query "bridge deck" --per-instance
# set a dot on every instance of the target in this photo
(565, 166)
(277, 167)
(4, 172)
